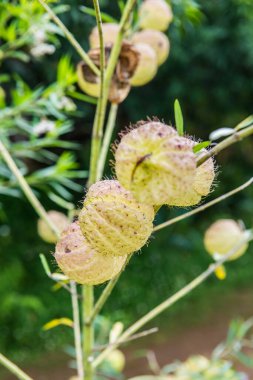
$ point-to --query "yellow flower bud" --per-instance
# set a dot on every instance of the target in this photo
(155, 164)
(113, 221)
(45, 232)
(155, 14)
(83, 264)
(110, 32)
(222, 236)
(147, 66)
(117, 360)
(157, 40)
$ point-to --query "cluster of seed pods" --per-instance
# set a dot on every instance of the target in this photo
(141, 54)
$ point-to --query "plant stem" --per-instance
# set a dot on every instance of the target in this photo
(171, 300)
(107, 291)
(102, 102)
(203, 207)
(88, 331)
(237, 136)
(14, 368)
(107, 139)
(26, 188)
(70, 37)
(77, 332)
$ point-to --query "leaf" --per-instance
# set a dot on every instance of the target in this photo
(82, 97)
(198, 147)
(179, 118)
(45, 264)
(221, 132)
(105, 17)
(245, 359)
(57, 322)
(245, 123)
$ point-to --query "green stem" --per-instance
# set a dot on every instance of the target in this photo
(237, 136)
(102, 102)
(171, 300)
(107, 139)
(70, 37)
(88, 331)
(13, 368)
(77, 332)
(26, 188)
(203, 207)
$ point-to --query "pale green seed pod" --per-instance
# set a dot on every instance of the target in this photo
(113, 221)
(155, 164)
(222, 236)
(83, 264)
(110, 32)
(59, 219)
(147, 66)
(155, 14)
(202, 183)
(157, 40)
(90, 84)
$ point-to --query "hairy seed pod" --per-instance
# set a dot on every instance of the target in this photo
(113, 221)
(147, 66)
(201, 185)
(83, 264)
(154, 163)
(45, 232)
(155, 14)
(222, 236)
(157, 40)
(110, 32)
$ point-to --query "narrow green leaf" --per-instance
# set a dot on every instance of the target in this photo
(45, 264)
(105, 17)
(179, 118)
(200, 146)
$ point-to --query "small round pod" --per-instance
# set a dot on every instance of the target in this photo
(201, 185)
(82, 263)
(88, 82)
(59, 219)
(155, 163)
(110, 32)
(155, 14)
(113, 221)
(155, 39)
(147, 66)
(222, 236)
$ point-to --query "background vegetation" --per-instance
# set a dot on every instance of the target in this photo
(210, 71)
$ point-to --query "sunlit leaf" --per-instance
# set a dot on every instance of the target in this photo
(57, 322)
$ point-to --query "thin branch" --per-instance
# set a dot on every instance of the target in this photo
(13, 368)
(27, 189)
(171, 300)
(77, 332)
(107, 291)
(70, 37)
(107, 139)
(237, 136)
(203, 207)
(133, 337)
(88, 330)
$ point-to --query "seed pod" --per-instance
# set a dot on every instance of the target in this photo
(155, 14)
(113, 221)
(157, 40)
(110, 32)
(45, 232)
(155, 164)
(83, 264)
(87, 81)
(201, 185)
(147, 66)
(222, 236)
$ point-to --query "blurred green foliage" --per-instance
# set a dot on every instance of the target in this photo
(209, 71)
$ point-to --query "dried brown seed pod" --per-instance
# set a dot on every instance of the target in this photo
(155, 164)
(59, 219)
(83, 264)
(113, 221)
(157, 40)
